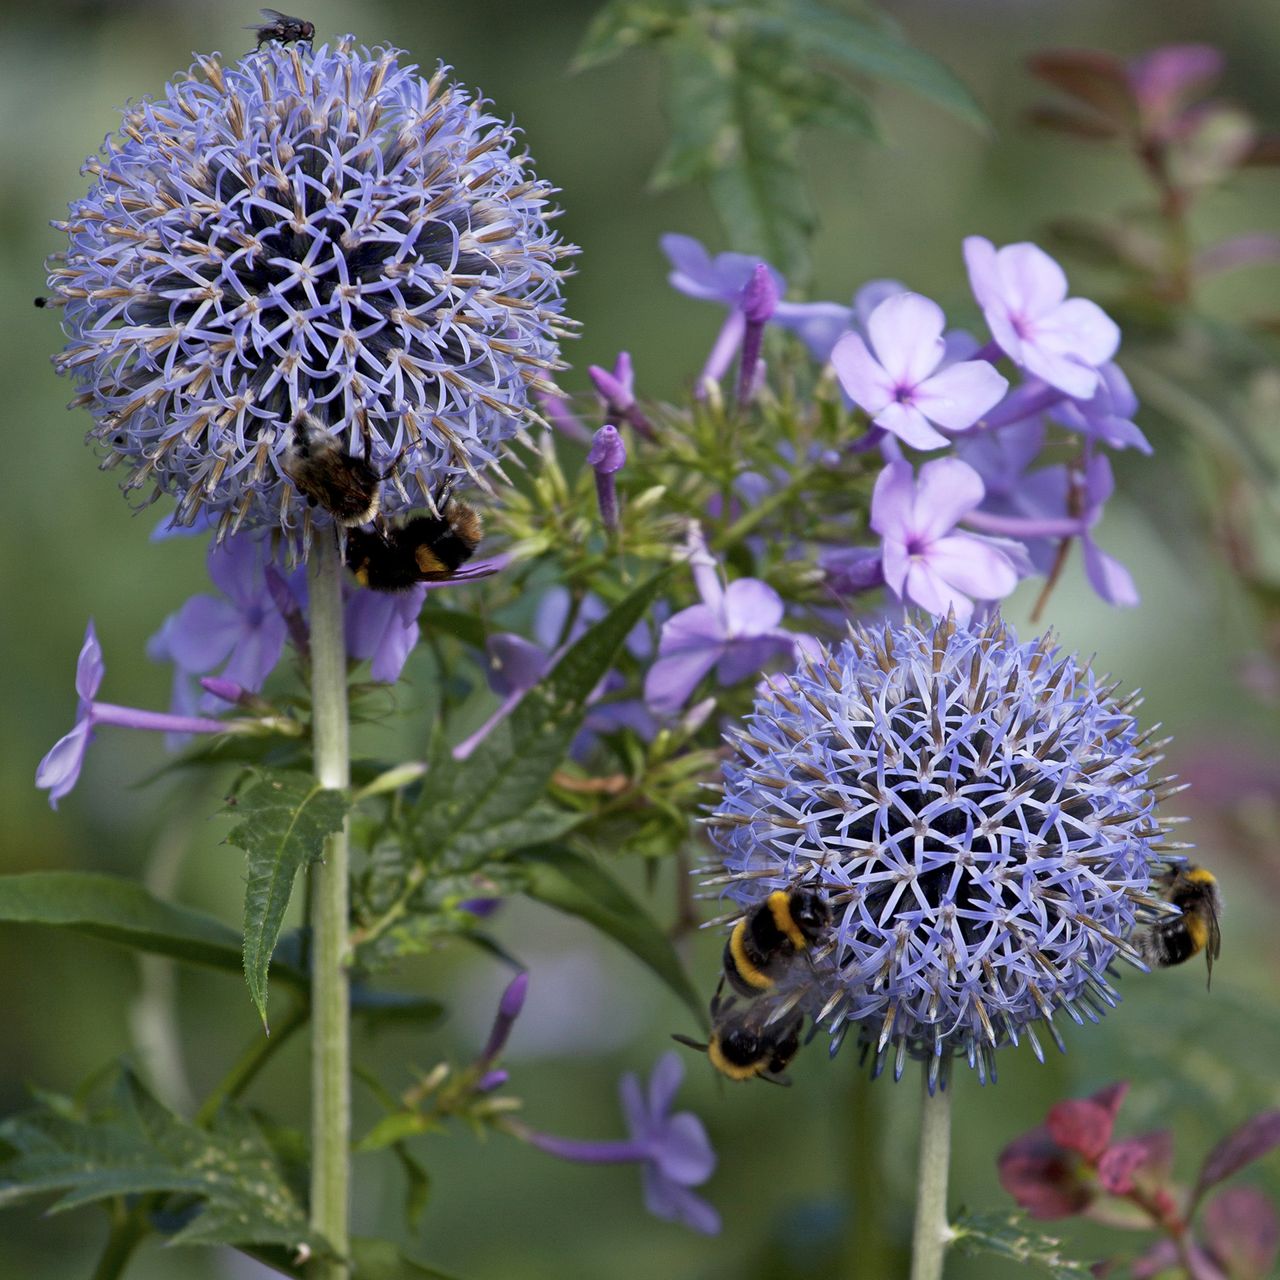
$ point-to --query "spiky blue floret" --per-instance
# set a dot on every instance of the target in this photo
(981, 815)
(318, 230)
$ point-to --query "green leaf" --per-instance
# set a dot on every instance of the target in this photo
(581, 887)
(284, 821)
(131, 1145)
(120, 911)
(730, 127)
(381, 1260)
(498, 785)
(622, 25)
(1005, 1235)
(417, 1189)
(873, 50)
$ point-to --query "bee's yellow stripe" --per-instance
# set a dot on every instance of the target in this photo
(780, 909)
(734, 1070)
(1197, 931)
(742, 962)
(1198, 875)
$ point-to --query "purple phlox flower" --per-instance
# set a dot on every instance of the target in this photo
(184, 695)
(1001, 458)
(1107, 415)
(508, 1011)
(850, 570)
(901, 386)
(721, 279)
(607, 456)
(673, 1150)
(819, 324)
(618, 395)
(242, 628)
(735, 629)
(1023, 295)
(59, 771)
(1065, 502)
(924, 559)
(383, 626)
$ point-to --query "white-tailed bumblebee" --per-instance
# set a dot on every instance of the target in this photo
(751, 1041)
(279, 26)
(424, 549)
(328, 475)
(765, 941)
(1172, 940)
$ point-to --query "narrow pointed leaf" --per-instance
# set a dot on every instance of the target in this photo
(498, 786)
(1250, 1142)
(284, 820)
(581, 887)
(120, 911)
(381, 1260)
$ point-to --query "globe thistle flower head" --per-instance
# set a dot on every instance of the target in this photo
(981, 815)
(308, 231)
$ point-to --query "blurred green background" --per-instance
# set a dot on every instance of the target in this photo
(788, 1159)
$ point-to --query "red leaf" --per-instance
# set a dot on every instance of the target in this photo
(1043, 1177)
(1146, 1158)
(1248, 1143)
(1241, 1228)
(1082, 1125)
(1089, 75)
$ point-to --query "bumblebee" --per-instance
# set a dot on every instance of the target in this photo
(328, 476)
(425, 549)
(279, 26)
(1172, 940)
(765, 941)
(751, 1041)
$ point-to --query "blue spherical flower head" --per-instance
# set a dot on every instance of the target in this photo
(980, 813)
(308, 231)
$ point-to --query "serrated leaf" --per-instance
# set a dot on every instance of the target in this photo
(1005, 1235)
(123, 912)
(132, 1145)
(284, 821)
(622, 25)
(873, 50)
(581, 887)
(498, 785)
(730, 128)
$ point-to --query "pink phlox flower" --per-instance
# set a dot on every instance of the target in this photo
(924, 558)
(900, 379)
(1023, 295)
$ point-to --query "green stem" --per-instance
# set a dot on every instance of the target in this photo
(260, 1051)
(330, 983)
(931, 1235)
(128, 1229)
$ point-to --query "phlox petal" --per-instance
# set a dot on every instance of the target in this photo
(946, 490)
(1108, 577)
(910, 426)
(956, 397)
(906, 335)
(976, 568)
(934, 594)
(60, 769)
(751, 607)
(861, 375)
(89, 666)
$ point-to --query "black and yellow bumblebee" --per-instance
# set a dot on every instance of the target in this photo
(427, 548)
(328, 475)
(1173, 939)
(766, 940)
(751, 1041)
(279, 26)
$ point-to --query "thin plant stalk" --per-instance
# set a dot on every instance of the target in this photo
(931, 1235)
(330, 985)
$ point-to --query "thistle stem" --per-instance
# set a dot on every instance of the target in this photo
(929, 1240)
(330, 985)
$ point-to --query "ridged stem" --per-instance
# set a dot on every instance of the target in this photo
(929, 1240)
(330, 986)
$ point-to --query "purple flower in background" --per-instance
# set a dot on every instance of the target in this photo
(735, 629)
(898, 380)
(924, 559)
(383, 627)
(1164, 80)
(243, 627)
(819, 324)
(850, 570)
(673, 1150)
(60, 769)
(986, 820)
(559, 413)
(1023, 295)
